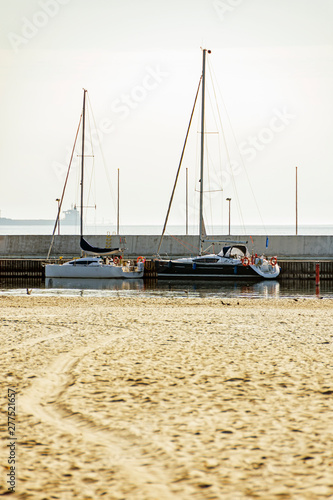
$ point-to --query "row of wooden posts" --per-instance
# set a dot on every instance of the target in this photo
(303, 270)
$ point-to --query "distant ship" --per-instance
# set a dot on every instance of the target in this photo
(71, 217)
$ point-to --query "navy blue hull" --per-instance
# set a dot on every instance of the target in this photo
(176, 270)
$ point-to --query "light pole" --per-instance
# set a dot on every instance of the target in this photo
(229, 200)
(296, 206)
(118, 204)
(58, 216)
(186, 202)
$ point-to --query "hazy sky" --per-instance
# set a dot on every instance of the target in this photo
(141, 61)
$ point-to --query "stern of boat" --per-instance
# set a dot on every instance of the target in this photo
(266, 269)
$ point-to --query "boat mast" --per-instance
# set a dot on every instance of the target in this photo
(85, 246)
(202, 150)
(82, 160)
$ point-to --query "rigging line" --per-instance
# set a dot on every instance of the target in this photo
(208, 175)
(211, 165)
(207, 164)
(92, 175)
(219, 177)
(217, 130)
(211, 168)
(227, 149)
(64, 188)
(210, 190)
(77, 181)
(197, 168)
(179, 166)
(242, 162)
(82, 160)
(188, 245)
(103, 158)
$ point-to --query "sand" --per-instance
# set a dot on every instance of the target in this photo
(158, 398)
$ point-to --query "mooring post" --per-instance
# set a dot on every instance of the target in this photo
(317, 273)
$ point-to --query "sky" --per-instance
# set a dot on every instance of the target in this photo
(141, 60)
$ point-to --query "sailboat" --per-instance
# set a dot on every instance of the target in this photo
(97, 264)
(234, 261)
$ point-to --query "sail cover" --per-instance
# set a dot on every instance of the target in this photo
(86, 247)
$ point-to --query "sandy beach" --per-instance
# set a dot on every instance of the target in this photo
(161, 398)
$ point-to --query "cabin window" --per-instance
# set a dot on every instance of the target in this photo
(80, 263)
(206, 260)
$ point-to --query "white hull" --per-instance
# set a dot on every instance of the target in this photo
(94, 268)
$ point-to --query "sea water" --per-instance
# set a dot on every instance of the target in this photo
(103, 229)
(265, 289)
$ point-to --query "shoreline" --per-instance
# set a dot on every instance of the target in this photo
(169, 398)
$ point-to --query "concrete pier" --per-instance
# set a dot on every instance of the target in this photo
(67, 246)
(24, 256)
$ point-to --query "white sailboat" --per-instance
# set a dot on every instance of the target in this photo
(95, 268)
(98, 264)
(234, 261)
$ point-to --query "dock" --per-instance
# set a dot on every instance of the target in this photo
(290, 269)
(22, 268)
(300, 257)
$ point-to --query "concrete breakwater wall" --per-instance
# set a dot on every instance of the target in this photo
(67, 246)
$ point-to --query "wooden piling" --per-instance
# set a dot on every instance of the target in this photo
(305, 270)
(22, 268)
(149, 270)
(290, 270)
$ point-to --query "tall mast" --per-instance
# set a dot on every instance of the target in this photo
(202, 150)
(82, 160)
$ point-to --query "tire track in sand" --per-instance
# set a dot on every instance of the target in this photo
(41, 400)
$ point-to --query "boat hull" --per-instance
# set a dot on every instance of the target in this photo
(179, 270)
(96, 272)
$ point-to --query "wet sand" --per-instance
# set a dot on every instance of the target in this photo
(134, 398)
